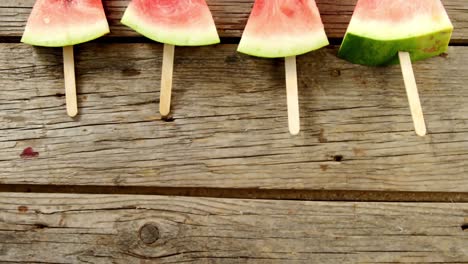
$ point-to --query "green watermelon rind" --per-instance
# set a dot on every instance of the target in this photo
(182, 37)
(374, 52)
(75, 36)
(279, 47)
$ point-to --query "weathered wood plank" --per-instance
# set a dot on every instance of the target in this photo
(57, 228)
(230, 16)
(230, 121)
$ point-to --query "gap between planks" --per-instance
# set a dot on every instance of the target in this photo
(234, 193)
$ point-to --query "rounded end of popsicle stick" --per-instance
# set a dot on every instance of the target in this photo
(294, 129)
(164, 111)
(72, 112)
(421, 131)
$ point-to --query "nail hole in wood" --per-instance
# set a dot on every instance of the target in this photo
(168, 119)
(338, 158)
(464, 227)
(40, 225)
(149, 233)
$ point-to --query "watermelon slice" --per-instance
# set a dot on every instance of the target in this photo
(283, 28)
(59, 23)
(175, 22)
(379, 29)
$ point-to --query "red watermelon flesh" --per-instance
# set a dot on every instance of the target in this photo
(381, 28)
(57, 23)
(393, 11)
(176, 22)
(281, 28)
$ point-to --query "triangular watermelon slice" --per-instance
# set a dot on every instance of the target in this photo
(379, 29)
(55, 23)
(175, 22)
(282, 28)
(384, 32)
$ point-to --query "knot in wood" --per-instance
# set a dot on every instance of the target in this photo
(149, 233)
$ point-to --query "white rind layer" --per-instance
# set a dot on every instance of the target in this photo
(419, 25)
(277, 46)
(56, 37)
(200, 36)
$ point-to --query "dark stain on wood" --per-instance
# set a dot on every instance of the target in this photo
(62, 220)
(22, 209)
(118, 180)
(324, 167)
(359, 152)
(15, 118)
(321, 137)
(29, 153)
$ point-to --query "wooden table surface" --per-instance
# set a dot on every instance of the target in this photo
(221, 180)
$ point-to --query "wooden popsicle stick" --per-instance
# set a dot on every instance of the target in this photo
(166, 80)
(70, 83)
(292, 96)
(412, 92)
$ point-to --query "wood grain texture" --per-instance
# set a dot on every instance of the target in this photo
(229, 125)
(230, 16)
(40, 228)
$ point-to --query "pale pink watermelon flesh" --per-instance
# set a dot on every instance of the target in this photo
(282, 28)
(176, 22)
(381, 28)
(57, 23)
